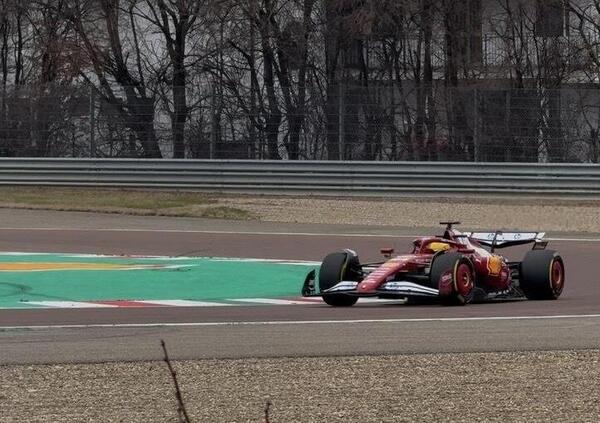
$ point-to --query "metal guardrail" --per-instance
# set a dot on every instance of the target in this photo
(311, 177)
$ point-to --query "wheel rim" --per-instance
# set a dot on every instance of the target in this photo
(557, 276)
(464, 280)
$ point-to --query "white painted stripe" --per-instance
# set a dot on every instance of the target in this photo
(160, 265)
(69, 304)
(355, 235)
(261, 260)
(106, 269)
(194, 303)
(303, 322)
(16, 253)
(56, 229)
(271, 301)
(185, 303)
(173, 303)
(124, 257)
(311, 300)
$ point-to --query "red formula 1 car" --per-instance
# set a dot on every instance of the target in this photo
(454, 269)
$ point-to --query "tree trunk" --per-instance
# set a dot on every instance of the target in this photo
(274, 115)
(140, 120)
(332, 119)
(430, 147)
(180, 111)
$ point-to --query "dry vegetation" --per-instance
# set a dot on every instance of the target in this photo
(146, 203)
(502, 213)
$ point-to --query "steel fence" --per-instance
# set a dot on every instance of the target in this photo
(312, 177)
(382, 121)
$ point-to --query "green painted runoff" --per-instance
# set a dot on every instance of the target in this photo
(190, 279)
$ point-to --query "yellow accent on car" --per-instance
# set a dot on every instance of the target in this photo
(494, 265)
(438, 246)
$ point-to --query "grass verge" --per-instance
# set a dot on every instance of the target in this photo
(134, 202)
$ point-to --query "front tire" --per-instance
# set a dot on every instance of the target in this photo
(542, 275)
(337, 267)
(452, 274)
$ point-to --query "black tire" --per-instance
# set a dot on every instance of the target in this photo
(336, 267)
(452, 292)
(540, 271)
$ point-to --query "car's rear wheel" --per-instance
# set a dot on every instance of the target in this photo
(452, 274)
(337, 267)
(542, 275)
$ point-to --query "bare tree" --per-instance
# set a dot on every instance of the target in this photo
(99, 26)
(175, 21)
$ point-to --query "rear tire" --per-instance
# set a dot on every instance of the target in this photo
(337, 267)
(542, 275)
(452, 274)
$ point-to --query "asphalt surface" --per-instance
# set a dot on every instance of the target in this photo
(104, 344)
(46, 336)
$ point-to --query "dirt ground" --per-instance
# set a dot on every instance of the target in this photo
(559, 215)
(502, 213)
(526, 387)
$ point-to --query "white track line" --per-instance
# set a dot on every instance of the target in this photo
(154, 257)
(185, 303)
(270, 301)
(208, 232)
(231, 302)
(354, 235)
(68, 304)
(303, 322)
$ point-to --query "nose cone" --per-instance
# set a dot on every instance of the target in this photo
(366, 287)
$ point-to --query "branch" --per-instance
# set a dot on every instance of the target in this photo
(181, 411)
(267, 411)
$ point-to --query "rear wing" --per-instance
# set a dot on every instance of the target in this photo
(500, 239)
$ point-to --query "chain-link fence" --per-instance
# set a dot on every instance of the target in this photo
(374, 121)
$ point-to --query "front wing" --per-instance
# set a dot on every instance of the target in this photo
(391, 289)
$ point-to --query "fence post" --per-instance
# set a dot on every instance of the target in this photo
(507, 151)
(213, 122)
(341, 123)
(486, 61)
(476, 157)
(92, 123)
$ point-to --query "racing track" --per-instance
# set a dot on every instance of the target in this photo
(65, 335)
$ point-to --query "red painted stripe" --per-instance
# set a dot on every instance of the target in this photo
(126, 303)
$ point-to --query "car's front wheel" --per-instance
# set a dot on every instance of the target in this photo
(337, 267)
(452, 274)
